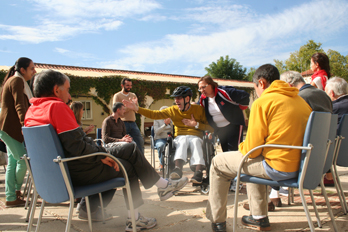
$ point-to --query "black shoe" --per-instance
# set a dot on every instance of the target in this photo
(261, 224)
(197, 177)
(219, 227)
(176, 174)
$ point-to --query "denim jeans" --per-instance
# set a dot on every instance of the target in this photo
(133, 130)
(160, 144)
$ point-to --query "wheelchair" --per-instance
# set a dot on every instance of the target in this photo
(209, 152)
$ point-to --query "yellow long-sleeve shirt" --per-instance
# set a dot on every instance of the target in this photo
(177, 116)
(279, 116)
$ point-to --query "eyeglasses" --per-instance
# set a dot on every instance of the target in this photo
(201, 88)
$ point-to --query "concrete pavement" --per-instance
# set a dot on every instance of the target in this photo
(184, 212)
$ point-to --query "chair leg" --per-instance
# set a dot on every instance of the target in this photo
(40, 216)
(235, 215)
(315, 208)
(339, 190)
(310, 223)
(26, 186)
(102, 207)
(289, 196)
(88, 213)
(71, 209)
(328, 205)
(32, 211)
(28, 194)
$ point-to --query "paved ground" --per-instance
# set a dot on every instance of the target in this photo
(185, 212)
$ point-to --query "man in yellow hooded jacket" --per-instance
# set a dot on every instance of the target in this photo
(278, 116)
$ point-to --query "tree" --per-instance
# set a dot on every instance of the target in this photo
(301, 60)
(226, 68)
(280, 66)
(250, 74)
(338, 64)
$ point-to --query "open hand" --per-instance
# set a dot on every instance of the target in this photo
(190, 122)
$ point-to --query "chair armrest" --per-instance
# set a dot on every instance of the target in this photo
(122, 169)
(263, 146)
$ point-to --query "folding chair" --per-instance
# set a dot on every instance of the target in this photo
(51, 178)
(341, 159)
(311, 166)
(99, 140)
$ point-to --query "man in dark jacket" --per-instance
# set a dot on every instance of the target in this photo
(51, 90)
(316, 98)
(224, 107)
(337, 89)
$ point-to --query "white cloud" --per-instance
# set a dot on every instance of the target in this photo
(253, 41)
(72, 54)
(67, 18)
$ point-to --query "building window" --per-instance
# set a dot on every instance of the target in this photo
(87, 107)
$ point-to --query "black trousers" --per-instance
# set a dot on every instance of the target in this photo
(230, 136)
(137, 167)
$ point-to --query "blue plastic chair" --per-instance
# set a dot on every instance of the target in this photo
(51, 178)
(341, 159)
(99, 139)
(313, 156)
(153, 147)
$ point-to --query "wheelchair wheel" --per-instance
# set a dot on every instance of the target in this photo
(168, 163)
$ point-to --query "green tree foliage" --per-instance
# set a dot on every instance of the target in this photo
(250, 74)
(227, 68)
(300, 60)
(338, 64)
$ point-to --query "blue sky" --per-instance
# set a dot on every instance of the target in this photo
(167, 36)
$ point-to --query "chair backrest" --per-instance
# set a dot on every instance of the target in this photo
(342, 159)
(99, 136)
(332, 137)
(43, 145)
(317, 133)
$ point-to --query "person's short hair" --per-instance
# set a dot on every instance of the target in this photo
(124, 80)
(267, 71)
(116, 106)
(46, 80)
(209, 80)
(338, 85)
(292, 77)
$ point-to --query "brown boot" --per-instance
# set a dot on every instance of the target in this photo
(271, 206)
(16, 203)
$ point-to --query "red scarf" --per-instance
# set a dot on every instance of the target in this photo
(323, 77)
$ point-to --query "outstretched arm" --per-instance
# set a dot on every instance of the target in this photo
(130, 104)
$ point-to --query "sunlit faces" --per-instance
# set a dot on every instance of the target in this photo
(127, 86)
(121, 111)
(29, 72)
(206, 89)
(62, 92)
(314, 66)
(180, 102)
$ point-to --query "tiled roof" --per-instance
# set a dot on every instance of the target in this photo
(307, 73)
(87, 71)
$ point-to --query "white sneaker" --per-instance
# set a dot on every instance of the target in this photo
(172, 187)
(142, 223)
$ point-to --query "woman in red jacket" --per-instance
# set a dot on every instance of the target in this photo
(320, 65)
(14, 104)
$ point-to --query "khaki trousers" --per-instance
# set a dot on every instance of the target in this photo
(224, 167)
